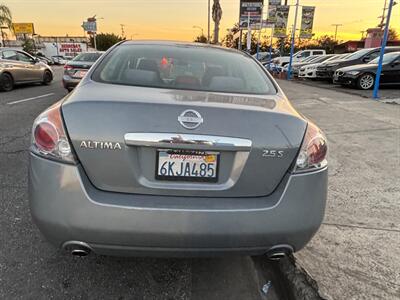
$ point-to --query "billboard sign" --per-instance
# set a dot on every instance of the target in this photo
(250, 9)
(272, 5)
(23, 28)
(90, 26)
(307, 22)
(282, 15)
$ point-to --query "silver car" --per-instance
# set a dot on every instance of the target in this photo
(19, 67)
(177, 149)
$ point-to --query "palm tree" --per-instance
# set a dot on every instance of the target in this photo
(5, 20)
(216, 15)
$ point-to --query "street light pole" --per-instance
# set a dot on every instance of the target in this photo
(384, 42)
(336, 29)
(209, 21)
(289, 74)
(198, 27)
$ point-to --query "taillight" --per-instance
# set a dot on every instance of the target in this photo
(49, 138)
(314, 150)
(68, 67)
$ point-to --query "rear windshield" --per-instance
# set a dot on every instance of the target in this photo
(183, 67)
(92, 57)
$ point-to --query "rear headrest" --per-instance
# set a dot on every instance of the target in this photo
(226, 83)
(148, 65)
(140, 77)
(210, 73)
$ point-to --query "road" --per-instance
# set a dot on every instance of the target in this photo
(355, 253)
(30, 268)
(354, 256)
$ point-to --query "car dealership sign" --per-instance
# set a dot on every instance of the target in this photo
(250, 11)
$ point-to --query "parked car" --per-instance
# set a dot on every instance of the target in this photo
(18, 67)
(76, 69)
(59, 60)
(310, 70)
(298, 56)
(44, 59)
(175, 149)
(363, 76)
(313, 59)
(265, 57)
(360, 57)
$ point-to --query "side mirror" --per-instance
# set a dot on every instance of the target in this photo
(367, 59)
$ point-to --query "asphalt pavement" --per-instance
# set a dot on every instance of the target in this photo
(355, 255)
(30, 268)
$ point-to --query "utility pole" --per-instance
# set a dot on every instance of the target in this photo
(336, 29)
(122, 30)
(209, 21)
(382, 24)
(289, 74)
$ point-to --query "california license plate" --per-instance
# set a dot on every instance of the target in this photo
(187, 165)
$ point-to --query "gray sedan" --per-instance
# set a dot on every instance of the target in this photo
(177, 149)
(18, 67)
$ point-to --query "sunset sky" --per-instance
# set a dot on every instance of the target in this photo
(174, 19)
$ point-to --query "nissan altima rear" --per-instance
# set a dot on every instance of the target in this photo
(177, 149)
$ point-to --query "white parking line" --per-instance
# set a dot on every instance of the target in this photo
(29, 99)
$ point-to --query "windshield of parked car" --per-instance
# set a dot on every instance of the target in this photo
(184, 67)
(387, 58)
(358, 54)
(90, 57)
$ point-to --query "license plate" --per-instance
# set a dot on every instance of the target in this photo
(80, 74)
(184, 165)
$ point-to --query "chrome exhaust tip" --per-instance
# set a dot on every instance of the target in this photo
(79, 249)
(276, 253)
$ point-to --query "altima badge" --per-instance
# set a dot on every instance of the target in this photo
(190, 119)
(100, 145)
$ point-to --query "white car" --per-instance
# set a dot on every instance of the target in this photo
(310, 71)
(298, 56)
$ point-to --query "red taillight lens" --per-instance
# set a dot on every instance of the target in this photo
(313, 151)
(46, 136)
(68, 67)
(49, 138)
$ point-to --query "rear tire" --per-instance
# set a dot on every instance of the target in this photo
(366, 81)
(6, 82)
(47, 77)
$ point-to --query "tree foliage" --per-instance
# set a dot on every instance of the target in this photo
(29, 46)
(201, 39)
(105, 40)
(393, 35)
(5, 16)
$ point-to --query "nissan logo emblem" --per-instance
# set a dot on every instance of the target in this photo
(190, 119)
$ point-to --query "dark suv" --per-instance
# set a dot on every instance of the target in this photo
(363, 56)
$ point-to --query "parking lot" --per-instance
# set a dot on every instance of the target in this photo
(352, 257)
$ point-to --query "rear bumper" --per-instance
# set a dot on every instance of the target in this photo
(66, 207)
(70, 83)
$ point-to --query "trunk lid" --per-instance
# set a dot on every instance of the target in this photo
(257, 138)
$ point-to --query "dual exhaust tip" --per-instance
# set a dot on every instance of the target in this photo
(81, 249)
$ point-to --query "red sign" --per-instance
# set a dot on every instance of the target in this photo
(70, 48)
